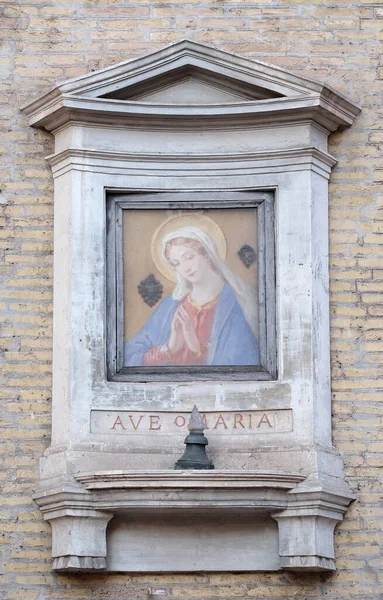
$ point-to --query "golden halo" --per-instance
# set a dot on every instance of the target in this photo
(171, 224)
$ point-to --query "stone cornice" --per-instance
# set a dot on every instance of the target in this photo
(285, 95)
(278, 160)
(188, 479)
(223, 490)
(139, 490)
(59, 111)
(293, 153)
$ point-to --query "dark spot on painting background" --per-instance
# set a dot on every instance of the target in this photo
(150, 290)
(247, 254)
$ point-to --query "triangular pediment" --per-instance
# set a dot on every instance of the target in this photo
(188, 90)
(185, 77)
(191, 85)
(209, 74)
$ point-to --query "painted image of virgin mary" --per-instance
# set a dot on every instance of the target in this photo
(209, 319)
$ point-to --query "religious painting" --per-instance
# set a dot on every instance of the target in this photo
(190, 288)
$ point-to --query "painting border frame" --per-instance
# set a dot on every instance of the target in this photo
(116, 203)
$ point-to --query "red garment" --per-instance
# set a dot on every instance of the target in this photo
(202, 317)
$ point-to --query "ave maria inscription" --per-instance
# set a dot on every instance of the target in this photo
(240, 422)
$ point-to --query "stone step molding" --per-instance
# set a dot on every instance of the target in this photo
(305, 511)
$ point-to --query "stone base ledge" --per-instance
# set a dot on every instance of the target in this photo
(305, 511)
(188, 479)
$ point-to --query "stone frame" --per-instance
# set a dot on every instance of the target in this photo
(264, 202)
(245, 126)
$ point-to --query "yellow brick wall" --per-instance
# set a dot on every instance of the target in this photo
(44, 41)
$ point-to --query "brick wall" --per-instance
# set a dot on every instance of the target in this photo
(46, 41)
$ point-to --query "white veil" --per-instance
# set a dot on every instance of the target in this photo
(244, 292)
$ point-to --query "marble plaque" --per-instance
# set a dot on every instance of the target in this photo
(225, 422)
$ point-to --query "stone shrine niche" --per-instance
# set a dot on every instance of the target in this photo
(186, 166)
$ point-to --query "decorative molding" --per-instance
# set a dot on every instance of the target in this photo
(185, 52)
(93, 98)
(306, 514)
(293, 154)
(117, 162)
(280, 110)
(78, 535)
(306, 528)
(188, 479)
(79, 563)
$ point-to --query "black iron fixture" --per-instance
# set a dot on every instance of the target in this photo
(247, 254)
(195, 454)
(150, 290)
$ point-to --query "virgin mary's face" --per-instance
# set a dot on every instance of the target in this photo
(189, 263)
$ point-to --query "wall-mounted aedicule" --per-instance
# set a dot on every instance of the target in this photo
(191, 245)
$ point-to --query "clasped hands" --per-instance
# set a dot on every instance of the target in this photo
(183, 332)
